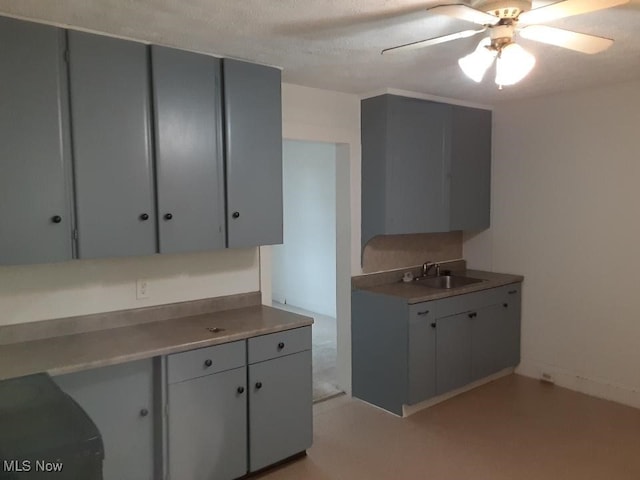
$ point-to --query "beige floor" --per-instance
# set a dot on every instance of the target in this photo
(513, 428)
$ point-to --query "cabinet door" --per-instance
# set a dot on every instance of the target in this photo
(280, 409)
(253, 122)
(490, 341)
(422, 353)
(110, 106)
(512, 310)
(208, 427)
(453, 352)
(188, 150)
(470, 169)
(119, 400)
(418, 168)
(35, 196)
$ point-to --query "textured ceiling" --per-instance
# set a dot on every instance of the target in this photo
(336, 44)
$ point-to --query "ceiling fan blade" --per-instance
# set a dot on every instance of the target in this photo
(465, 12)
(580, 42)
(432, 41)
(567, 8)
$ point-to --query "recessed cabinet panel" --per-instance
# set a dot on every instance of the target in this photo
(253, 114)
(453, 352)
(189, 150)
(119, 400)
(491, 345)
(418, 145)
(35, 193)
(207, 427)
(280, 418)
(110, 106)
(470, 169)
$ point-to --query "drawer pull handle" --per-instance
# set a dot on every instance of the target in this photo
(426, 312)
(144, 412)
(240, 390)
(208, 363)
(433, 325)
(512, 292)
(280, 345)
(473, 315)
(258, 385)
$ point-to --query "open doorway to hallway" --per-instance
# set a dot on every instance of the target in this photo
(304, 266)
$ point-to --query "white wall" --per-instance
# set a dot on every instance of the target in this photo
(304, 267)
(79, 287)
(324, 116)
(566, 190)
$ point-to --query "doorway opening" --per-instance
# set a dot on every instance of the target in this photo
(304, 266)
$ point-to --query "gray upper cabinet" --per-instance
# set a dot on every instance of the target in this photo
(110, 107)
(188, 150)
(426, 167)
(470, 169)
(35, 185)
(253, 122)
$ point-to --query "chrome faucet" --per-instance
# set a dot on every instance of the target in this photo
(426, 266)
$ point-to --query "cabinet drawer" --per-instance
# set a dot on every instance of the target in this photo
(205, 361)
(276, 345)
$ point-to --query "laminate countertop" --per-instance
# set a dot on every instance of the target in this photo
(414, 292)
(99, 348)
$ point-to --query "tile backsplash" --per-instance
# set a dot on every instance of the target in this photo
(388, 252)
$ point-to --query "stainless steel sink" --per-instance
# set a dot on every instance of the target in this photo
(446, 281)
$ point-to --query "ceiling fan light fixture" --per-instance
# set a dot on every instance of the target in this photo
(476, 64)
(513, 64)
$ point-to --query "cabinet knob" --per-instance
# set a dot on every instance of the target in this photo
(208, 362)
(433, 325)
(168, 216)
(235, 214)
(280, 345)
(144, 412)
(240, 390)
(258, 385)
(144, 217)
(56, 219)
(505, 305)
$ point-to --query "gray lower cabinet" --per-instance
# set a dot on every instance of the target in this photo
(253, 133)
(119, 399)
(280, 396)
(422, 351)
(112, 147)
(35, 184)
(453, 352)
(404, 354)
(225, 419)
(280, 418)
(189, 156)
(207, 427)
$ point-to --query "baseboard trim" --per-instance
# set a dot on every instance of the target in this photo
(590, 386)
(411, 409)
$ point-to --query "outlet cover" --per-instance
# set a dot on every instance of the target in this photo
(142, 289)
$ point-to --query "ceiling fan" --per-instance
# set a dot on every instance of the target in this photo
(503, 19)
